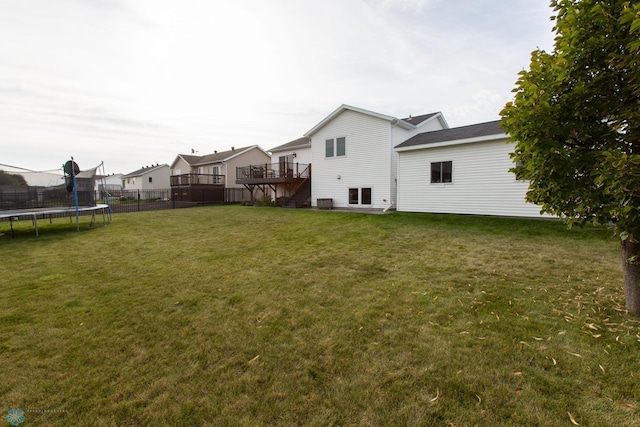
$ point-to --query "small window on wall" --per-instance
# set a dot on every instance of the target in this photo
(335, 147)
(366, 196)
(329, 148)
(353, 196)
(340, 146)
(150, 179)
(360, 196)
(441, 172)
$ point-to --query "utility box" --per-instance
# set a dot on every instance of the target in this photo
(325, 203)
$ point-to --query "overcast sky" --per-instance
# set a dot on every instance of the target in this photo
(135, 82)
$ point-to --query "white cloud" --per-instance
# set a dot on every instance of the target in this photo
(137, 82)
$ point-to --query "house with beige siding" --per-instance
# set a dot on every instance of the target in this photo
(205, 178)
(462, 170)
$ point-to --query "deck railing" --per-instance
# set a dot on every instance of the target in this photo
(189, 179)
(273, 170)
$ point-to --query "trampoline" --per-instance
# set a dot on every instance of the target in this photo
(72, 177)
(42, 213)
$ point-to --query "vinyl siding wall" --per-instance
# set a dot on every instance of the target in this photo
(301, 162)
(482, 183)
(398, 136)
(182, 166)
(255, 156)
(367, 163)
(159, 180)
(303, 155)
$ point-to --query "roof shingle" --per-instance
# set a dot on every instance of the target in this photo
(300, 142)
(213, 157)
(454, 134)
(416, 120)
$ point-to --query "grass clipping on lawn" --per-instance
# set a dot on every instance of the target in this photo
(262, 316)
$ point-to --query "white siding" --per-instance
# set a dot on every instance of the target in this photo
(367, 163)
(300, 163)
(482, 183)
(398, 136)
(303, 155)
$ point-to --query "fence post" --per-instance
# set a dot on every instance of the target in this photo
(138, 200)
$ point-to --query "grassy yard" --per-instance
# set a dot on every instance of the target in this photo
(234, 316)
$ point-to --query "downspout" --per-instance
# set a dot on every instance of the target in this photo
(394, 180)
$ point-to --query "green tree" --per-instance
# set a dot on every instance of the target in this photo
(11, 179)
(575, 119)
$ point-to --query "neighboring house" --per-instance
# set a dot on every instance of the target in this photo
(205, 178)
(111, 184)
(85, 183)
(148, 178)
(463, 170)
(354, 163)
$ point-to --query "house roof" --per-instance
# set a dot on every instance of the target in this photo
(416, 120)
(470, 133)
(303, 142)
(216, 157)
(145, 170)
(409, 123)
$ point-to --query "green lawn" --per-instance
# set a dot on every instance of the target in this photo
(234, 316)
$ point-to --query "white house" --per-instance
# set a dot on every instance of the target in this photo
(296, 151)
(154, 177)
(463, 170)
(292, 159)
(353, 160)
(109, 183)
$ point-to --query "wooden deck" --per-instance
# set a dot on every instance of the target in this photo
(272, 173)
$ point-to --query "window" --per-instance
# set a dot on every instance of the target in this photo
(441, 172)
(360, 196)
(340, 146)
(335, 147)
(329, 148)
(150, 179)
(365, 196)
(353, 196)
(286, 165)
(217, 178)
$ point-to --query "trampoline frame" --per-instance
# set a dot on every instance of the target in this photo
(17, 214)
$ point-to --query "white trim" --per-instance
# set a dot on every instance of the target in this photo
(345, 107)
(453, 142)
